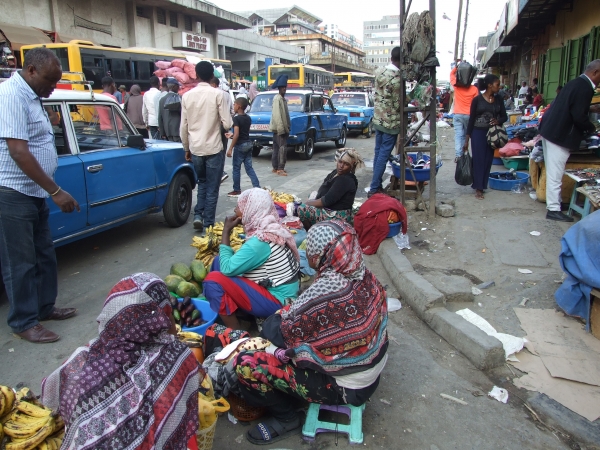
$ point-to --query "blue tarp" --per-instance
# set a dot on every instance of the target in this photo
(580, 259)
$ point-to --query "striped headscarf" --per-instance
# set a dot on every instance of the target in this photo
(260, 219)
(135, 386)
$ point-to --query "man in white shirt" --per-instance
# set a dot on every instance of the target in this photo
(203, 112)
(523, 90)
(149, 108)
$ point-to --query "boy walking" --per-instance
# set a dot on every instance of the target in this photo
(241, 146)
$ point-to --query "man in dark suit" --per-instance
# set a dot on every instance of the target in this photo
(563, 127)
(169, 112)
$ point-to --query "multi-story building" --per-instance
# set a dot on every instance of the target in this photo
(334, 32)
(379, 38)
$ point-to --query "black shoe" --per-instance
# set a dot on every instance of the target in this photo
(224, 177)
(198, 225)
(559, 216)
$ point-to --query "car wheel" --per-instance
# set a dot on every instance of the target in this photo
(341, 142)
(369, 132)
(309, 146)
(179, 201)
(256, 151)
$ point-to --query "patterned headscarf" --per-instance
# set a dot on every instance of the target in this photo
(135, 386)
(338, 324)
(260, 219)
(351, 156)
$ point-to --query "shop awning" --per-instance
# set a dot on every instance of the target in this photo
(19, 35)
(531, 18)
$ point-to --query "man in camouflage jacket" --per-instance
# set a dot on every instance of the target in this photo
(387, 120)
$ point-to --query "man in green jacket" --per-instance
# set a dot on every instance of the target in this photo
(280, 126)
(386, 120)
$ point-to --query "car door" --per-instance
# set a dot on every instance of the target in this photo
(334, 120)
(319, 119)
(120, 181)
(69, 175)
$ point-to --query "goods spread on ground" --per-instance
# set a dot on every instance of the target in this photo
(26, 424)
(186, 281)
(208, 245)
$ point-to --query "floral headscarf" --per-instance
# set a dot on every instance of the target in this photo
(260, 219)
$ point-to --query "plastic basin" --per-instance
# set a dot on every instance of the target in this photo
(394, 229)
(420, 174)
(208, 315)
(506, 185)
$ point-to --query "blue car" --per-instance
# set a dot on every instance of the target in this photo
(359, 108)
(114, 174)
(313, 119)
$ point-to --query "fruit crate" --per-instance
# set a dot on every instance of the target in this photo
(516, 163)
(208, 315)
(507, 185)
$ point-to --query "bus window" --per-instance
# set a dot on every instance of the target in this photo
(143, 70)
(93, 69)
(118, 68)
(293, 73)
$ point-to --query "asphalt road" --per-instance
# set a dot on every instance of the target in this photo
(405, 412)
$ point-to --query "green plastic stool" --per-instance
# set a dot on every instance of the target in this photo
(313, 425)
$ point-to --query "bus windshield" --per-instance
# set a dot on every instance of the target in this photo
(264, 102)
(293, 73)
(349, 99)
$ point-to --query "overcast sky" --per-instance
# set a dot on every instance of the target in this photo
(350, 14)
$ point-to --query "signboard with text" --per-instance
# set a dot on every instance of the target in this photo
(191, 41)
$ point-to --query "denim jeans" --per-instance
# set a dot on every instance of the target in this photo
(28, 260)
(209, 170)
(242, 153)
(384, 144)
(460, 121)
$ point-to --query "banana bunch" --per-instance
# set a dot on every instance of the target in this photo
(188, 337)
(27, 423)
(282, 197)
(208, 245)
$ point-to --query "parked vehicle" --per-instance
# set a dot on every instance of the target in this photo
(313, 119)
(302, 76)
(359, 108)
(114, 174)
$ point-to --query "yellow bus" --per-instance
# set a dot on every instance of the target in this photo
(126, 66)
(353, 80)
(302, 75)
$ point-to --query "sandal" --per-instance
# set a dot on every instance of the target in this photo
(282, 173)
(274, 170)
(479, 195)
(272, 430)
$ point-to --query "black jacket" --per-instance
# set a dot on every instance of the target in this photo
(567, 120)
(169, 115)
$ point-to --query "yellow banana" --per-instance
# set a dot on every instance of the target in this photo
(22, 430)
(44, 446)
(189, 335)
(1, 433)
(35, 439)
(21, 418)
(33, 410)
(3, 403)
(9, 397)
(57, 442)
(23, 393)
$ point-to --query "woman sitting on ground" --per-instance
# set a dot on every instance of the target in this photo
(263, 273)
(335, 197)
(329, 346)
(135, 386)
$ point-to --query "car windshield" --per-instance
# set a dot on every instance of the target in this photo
(264, 102)
(349, 99)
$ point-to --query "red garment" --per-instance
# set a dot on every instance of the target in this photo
(371, 221)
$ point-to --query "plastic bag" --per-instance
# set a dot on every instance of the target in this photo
(465, 74)
(401, 241)
(464, 170)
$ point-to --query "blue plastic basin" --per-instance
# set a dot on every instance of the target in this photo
(506, 185)
(420, 174)
(394, 229)
(208, 315)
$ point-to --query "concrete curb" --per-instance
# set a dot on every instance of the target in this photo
(484, 351)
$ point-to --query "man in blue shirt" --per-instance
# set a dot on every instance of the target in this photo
(28, 161)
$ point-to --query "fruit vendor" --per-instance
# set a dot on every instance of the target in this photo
(263, 273)
(135, 385)
(331, 341)
(335, 197)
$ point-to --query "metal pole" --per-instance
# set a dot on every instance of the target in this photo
(433, 126)
(403, 116)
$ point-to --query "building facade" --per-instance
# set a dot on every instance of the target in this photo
(379, 38)
(334, 32)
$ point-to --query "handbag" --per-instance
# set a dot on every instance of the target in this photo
(496, 135)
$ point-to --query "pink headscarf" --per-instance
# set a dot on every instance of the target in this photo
(253, 91)
(260, 219)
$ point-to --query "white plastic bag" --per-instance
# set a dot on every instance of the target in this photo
(401, 241)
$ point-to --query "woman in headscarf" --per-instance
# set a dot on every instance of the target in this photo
(263, 273)
(329, 346)
(335, 197)
(133, 108)
(253, 92)
(133, 387)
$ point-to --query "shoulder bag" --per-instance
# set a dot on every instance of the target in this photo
(496, 135)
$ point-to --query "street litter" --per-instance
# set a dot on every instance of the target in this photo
(11, 350)
(499, 394)
(476, 291)
(454, 399)
(524, 301)
(393, 304)
(535, 233)
(511, 344)
(232, 418)
(483, 251)
(384, 401)
(487, 284)
(401, 241)
(525, 270)
(239, 439)
(423, 229)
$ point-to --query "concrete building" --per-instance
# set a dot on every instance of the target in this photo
(379, 38)
(162, 24)
(545, 41)
(334, 32)
(296, 26)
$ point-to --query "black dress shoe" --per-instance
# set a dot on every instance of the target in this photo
(61, 314)
(559, 216)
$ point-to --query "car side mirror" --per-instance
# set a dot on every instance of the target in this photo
(136, 141)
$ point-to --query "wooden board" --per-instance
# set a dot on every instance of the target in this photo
(595, 313)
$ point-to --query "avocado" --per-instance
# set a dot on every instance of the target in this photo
(172, 281)
(186, 289)
(181, 270)
(198, 271)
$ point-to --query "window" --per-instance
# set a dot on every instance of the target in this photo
(140, 11)
(173, 19)
(58, 127)
(143, 69)
(94, 126)
(117, 68)
(187, 23)
(161, 16)
(316, 103)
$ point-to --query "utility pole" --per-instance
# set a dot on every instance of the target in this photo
(460, 6)
(462, 47)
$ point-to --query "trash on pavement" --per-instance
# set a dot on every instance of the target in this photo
(499, 394)
(393, 304)
(486, 285)
(525, 270)
(384, 401)
(524, 301)
(476, 291)
(401, 241)
(535, 233)
(454, 399)
(232, 418)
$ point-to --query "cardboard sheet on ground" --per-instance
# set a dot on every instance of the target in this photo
(583, 399)
(511, 344)
(565, 348)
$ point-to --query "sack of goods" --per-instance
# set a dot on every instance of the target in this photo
(465, 73)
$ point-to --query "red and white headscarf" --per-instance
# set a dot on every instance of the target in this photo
(260, 219)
